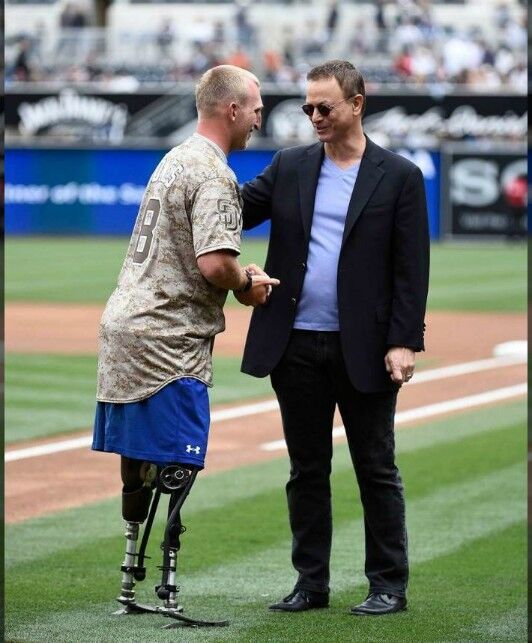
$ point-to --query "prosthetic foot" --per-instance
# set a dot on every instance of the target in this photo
(176, 480)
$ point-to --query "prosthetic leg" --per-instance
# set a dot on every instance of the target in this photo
(137, 505)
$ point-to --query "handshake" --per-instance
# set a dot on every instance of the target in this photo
(260, 289)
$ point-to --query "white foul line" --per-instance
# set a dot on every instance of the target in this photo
(431, 409)
(465, 368)
(272, 405)
(86, 440)
(46, 449)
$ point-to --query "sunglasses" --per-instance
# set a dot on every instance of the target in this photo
(323, 108)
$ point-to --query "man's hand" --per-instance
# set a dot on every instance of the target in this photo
(260, 290)
(400, 363)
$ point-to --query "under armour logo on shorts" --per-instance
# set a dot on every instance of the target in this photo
(190, 448)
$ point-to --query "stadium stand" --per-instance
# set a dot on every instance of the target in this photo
(415, 42)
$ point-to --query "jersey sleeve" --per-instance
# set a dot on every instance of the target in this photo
(216, 216)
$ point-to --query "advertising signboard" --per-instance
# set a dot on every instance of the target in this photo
(485, 193)
(414, 119)
(98, 191)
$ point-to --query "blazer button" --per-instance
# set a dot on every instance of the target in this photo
(294, 300)
(303, 265)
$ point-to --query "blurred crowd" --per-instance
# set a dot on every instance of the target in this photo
(411, 48)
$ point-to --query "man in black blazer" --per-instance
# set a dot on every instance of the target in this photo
(350, 244)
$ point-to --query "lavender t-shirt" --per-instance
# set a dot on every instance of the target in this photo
(318, 304)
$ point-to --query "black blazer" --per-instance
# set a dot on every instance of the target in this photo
(382, 270)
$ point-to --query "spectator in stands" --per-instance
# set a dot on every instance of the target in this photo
(201, 31)
(504, 61)
(486, 79)
(239, 58)
(289, 40)
(21, 69)
(515, 35)
(518, 77)
(380, 18)
(272, 63)
(219, 36)
(203, 58)
(244, 29)
(381, 25)
(77, 74)
(403, 63)
(312, 40)
(364, 40)
(38, 38)
(71, 19)
(406, 34)
(488, 54)
(502, 15)
(165, 38)
(478, 58)
(331, 22)
(453, 54)
(408, 9)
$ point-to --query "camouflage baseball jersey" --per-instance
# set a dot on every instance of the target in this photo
(159, 324)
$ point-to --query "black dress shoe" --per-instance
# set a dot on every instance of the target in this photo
(377, 604)
(300, 600)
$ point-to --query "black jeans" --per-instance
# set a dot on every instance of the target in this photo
(309, 381)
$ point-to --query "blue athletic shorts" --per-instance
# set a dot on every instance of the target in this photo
(171, 425)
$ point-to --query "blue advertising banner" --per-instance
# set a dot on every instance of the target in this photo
(91, 191)
(64, 191)
(429, 164)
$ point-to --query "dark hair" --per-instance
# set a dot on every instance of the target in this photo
(347, 75)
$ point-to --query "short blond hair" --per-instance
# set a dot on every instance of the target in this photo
(222, 85)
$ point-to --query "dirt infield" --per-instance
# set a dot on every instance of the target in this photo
(73, 329)
(73, 478)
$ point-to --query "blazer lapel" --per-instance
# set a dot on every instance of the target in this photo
(308, 174)
(369, 176)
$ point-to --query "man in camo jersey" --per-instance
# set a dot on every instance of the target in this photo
(158, 328)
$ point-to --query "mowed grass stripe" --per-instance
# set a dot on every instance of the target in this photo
(451, 599)
(251, 483)
(438, 523)
(508, 626)
(50, 397)
(51, 394)
(235, 556)
(243, 533)
(35, 423)
(255, 581)
(481, 277)
(53, 269)
(83, 269)
(479, 297)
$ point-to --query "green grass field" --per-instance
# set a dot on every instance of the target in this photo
(464, 477)
(463, 276)
(466, 506)
(60, 391)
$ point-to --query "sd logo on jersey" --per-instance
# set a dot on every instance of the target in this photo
(229, 215)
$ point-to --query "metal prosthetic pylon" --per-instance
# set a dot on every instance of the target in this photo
(170, 481)
(127, 593)
(133, 566)
(175, 481)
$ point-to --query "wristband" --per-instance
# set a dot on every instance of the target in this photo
(248, 284)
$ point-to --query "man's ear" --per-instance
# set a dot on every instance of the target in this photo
(358, 104)
(233, 110)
